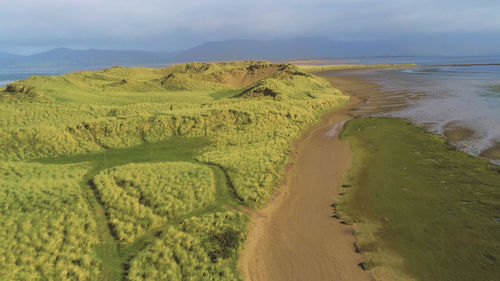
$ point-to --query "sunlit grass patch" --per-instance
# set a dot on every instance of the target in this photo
(46, 228)
(203, 248)
(138, 197)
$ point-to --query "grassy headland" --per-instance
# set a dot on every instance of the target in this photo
(140, 174)
(421, 209)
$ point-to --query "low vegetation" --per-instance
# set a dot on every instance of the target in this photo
(201, 250)
(153, 164)
(46, 228)
(138, 197)
(421, 209)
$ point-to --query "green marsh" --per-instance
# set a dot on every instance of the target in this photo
(421, 209)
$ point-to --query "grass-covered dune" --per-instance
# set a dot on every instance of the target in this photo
(139, 174)
(421, 209)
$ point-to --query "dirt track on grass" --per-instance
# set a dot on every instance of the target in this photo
(295, 237)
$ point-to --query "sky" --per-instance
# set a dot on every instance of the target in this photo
(28, 26)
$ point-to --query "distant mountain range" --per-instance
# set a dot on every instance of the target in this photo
(78, 59)
(296, 48)
(319, 47)
(4, 55)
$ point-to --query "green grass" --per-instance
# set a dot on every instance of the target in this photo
(130, 167)
(248, 119)
(140, 197)
(46, 228)
(162, 160)
(173, 149)
(421, 209)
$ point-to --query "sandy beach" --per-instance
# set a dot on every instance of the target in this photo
(296, 237)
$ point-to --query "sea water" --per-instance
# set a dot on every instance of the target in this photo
(466, 97)
(11, 75)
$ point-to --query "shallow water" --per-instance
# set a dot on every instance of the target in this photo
(10, 75)
(460, 102)
(420, 60)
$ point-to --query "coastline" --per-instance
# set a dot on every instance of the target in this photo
(295, 236)
(437, 182)
(269, 252)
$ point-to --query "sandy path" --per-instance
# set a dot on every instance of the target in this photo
(295, 237)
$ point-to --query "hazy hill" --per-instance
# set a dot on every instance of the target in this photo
(93, 58)
(319, 47)
(316, 47)
(296, 48)
(4, 55)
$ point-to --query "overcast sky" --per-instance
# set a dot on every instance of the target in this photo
(28, 26)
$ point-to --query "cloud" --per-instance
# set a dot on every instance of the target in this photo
(166, 24)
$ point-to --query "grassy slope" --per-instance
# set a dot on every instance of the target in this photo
(45, 226)
(114, 256)
(421, 209)
(236, 119)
